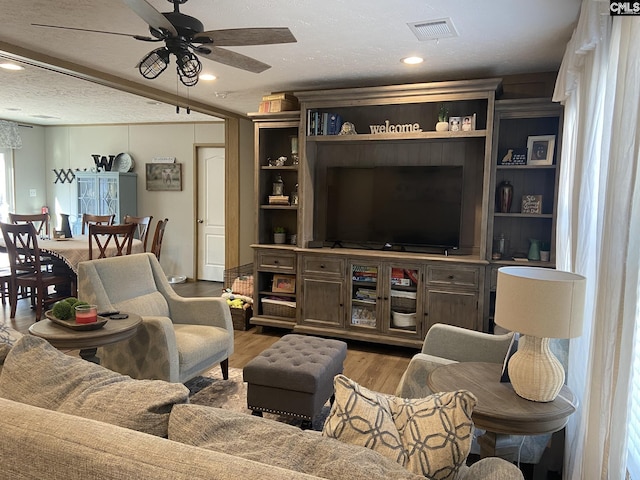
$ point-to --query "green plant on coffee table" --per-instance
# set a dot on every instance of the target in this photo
(66, 309)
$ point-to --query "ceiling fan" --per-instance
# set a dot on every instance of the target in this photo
(184, 37)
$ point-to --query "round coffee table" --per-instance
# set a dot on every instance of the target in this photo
(87, 340)
(500, 409)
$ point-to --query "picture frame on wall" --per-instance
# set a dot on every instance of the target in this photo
(164, 176)
(284, 284)
(540, 149)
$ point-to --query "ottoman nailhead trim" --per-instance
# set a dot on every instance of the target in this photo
(280, 412)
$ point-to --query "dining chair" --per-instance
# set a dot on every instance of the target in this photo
(21, 241)
(103, 235)
(156, 243)
(142, 227)
(39, 220)
(89, 219)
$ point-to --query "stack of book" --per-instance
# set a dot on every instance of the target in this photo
(323, 123)
(278, 102)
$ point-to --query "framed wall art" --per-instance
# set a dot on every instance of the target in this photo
(540, 149)
(164, 176)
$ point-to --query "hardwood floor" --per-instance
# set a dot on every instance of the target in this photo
(377, 367)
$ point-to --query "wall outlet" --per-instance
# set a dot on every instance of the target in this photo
(32, 192)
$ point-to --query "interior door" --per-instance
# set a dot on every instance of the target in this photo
(210, 218)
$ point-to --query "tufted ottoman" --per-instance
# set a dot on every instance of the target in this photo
(294, 376)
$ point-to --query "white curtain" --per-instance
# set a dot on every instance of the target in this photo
(599, 230)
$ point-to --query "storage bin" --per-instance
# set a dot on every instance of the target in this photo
(278, 308)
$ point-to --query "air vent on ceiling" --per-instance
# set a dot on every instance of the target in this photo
(433, 29)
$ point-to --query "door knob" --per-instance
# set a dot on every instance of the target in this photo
(200, 220)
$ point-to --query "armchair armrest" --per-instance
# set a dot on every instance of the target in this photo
(464, 345)
(212, 311)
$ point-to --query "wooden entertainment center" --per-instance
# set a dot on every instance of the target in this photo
(393, 295)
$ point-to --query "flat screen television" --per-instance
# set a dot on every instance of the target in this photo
(401, 207)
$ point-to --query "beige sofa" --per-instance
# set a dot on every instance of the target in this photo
(64, 418)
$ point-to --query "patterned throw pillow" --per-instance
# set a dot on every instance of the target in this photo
(429, 436)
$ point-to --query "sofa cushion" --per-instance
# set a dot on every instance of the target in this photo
(37, 374)
(278, 444)
(429, 436)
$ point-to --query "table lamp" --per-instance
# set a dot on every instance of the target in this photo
(538, 303)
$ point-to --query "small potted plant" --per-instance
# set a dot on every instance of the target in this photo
(443, 118)
(279, 235)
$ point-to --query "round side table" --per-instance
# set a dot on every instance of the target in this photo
(500, 409)
(87, 340)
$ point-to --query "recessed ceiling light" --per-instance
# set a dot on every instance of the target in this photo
(412, 60)
(11, 66)
(207, 76)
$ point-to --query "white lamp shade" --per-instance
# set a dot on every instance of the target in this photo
(540, 302)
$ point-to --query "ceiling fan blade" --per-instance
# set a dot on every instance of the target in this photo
(153, 17)
(234, 59)
(92, 31)
(236, 37)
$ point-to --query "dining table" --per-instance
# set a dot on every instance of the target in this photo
(72, 251)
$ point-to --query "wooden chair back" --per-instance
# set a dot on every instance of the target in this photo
(40, 221)
(120, 236)
(156, 244)
(142, 227)
(89, 219)
(21, 241)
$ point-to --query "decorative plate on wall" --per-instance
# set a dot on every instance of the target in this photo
(122, 163)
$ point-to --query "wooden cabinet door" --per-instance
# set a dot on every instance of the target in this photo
(453, 307)
(323, 302)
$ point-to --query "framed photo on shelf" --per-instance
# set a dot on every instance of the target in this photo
(284, 284)
(540, 149)
(532, 204)
(455, 124)
(468, 123)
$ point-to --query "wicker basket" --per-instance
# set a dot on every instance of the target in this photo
(278, 308)
(240, 318)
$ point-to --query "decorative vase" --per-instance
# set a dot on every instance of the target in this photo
(534, 249)
(442, 126)
(504, 196)
(279, 238)
(65, 228)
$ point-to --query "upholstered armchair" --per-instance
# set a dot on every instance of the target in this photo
(179, 337)
(446, 344)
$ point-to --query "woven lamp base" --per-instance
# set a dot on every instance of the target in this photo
(535, 373)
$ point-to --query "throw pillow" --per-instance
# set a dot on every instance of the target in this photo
(429, 436)
(280, 445)
(37, 374)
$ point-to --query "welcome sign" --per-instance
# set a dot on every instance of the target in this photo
(388, 127)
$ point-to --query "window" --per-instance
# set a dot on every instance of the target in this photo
(6, 183)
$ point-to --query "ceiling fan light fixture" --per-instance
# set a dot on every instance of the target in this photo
(154, 63)
(188, 81)
(188, 64)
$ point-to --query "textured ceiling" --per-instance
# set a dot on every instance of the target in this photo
(341, 43)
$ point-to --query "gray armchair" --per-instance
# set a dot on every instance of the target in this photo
(446, 344)
(179, 337)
